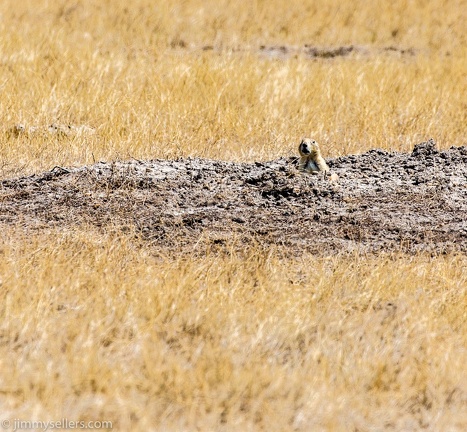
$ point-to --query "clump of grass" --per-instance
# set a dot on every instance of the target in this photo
(248, 342)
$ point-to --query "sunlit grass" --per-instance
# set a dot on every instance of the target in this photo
(256, 341)
(147, 98)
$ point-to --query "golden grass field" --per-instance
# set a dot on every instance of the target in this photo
(99, 326)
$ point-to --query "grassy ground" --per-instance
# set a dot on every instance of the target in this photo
(227, 342)
(139, 77)
(98, 326)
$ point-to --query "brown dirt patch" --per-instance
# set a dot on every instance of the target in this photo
(409, 202)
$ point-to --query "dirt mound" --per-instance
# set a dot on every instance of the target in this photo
(383, 201)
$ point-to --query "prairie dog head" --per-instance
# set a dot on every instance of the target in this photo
(308, 148)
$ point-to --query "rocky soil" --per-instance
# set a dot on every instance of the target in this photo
(383, 201)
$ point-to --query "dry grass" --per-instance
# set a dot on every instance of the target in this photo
(96, 326)
(138, 76)
(236, 343)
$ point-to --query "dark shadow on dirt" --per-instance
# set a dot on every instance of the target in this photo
(306, 51)
(383, 202)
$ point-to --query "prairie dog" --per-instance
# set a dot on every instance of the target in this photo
(311, 160)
